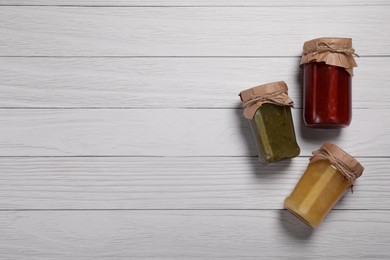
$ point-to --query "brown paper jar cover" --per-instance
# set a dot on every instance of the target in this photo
(345, 163)
(332, 51)
(274, 93)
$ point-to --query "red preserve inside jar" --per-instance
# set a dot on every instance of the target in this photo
(326, 95)
(327, 65)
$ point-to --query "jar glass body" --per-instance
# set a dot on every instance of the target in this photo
(273, 130)
(318, 190)
(327, 98)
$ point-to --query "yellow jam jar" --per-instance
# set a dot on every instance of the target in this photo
(330, 173)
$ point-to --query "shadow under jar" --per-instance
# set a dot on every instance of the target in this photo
(327, 65)
(268, 109)
(330, 173)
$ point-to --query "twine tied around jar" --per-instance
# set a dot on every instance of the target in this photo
(348, 166)
(273, 93)
(333, 51)
(324, 47)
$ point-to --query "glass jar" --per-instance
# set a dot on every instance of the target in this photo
(330, 173)
(327, 65)
(268, 109)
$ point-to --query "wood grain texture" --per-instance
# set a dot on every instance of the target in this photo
(180, 31)
(170, 132)
(122, 135)
(170, 183)
(213, 3)
(191, 234)
(166, 82)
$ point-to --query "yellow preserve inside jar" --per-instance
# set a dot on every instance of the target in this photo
(318, 190)
(322, 185)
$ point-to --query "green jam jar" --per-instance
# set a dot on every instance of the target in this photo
(268, 109)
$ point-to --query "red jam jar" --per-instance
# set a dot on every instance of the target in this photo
(327, 65)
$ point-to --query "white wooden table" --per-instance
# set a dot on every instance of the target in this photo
(122, 134)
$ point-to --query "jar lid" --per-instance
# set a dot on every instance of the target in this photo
(328, 44)
(332, 51)
(345, 163)
(274, 93)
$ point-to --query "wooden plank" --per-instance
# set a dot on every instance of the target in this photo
(191, 235)
(180, 31)
(193, 3)
(166, 82)
(170, 183)
(170, 132)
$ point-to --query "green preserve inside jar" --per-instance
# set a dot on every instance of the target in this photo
(268, 109)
